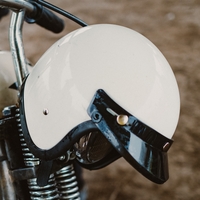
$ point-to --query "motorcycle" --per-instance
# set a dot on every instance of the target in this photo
(99, 93)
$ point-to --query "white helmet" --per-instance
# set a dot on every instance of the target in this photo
(8, 94)
(121, 80)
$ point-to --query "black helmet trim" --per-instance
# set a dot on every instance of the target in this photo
(143, 147)
(66, 143)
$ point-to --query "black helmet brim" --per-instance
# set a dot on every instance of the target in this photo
(143, 147)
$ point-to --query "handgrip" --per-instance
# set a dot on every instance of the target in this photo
(45, 18)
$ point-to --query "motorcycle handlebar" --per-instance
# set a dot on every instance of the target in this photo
(45, 18)
(37, 12)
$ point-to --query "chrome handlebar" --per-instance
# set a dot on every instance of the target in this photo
(15, 35)
(17, 5)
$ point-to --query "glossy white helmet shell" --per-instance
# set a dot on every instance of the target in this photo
(8, 96)
(122, 62)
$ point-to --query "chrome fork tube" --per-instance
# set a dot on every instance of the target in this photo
(7, 190)
(16, 45)
(65, 185)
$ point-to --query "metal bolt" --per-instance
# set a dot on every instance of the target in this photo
(122, 119)
(6, 111)
(96, 117)
(62, 158)
(166, 146)
(45, 111)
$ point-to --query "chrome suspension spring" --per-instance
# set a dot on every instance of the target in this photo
(67, 184)
(36, 192)
(47, 192)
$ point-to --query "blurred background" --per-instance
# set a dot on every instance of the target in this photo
(174, 27)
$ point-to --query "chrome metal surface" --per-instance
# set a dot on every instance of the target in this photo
(15, 35)
(67, 184)
(17, 5)
(29, 159)
(16, 45)
(47, 192)
(122, 119)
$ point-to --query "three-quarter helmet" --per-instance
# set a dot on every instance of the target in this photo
(108, 90)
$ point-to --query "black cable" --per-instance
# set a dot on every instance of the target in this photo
(62, 12)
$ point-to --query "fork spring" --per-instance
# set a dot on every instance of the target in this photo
(67, 184)
(36, 192)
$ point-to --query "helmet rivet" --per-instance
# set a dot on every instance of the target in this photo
(122, 119)
(45, 111)
(166, 146)
(96, 117)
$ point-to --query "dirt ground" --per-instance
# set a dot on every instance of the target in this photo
(174, 27)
